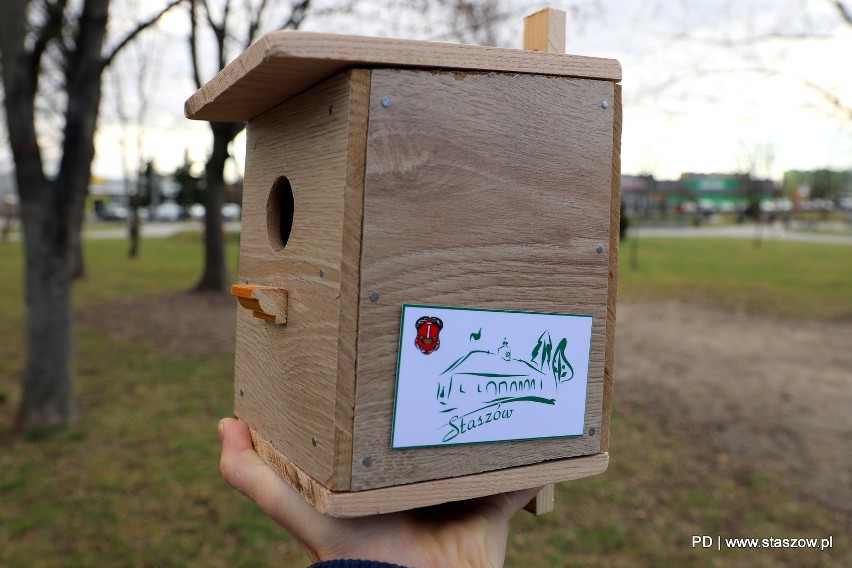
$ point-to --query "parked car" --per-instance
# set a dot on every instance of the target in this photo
(196, 212)
(169, 212)
(114, 212)
(231, 212)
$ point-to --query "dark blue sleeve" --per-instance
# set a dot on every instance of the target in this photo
(353, 564)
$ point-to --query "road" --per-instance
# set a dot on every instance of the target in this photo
(775, 232)
(152, 230)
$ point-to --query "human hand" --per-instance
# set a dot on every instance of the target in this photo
(469, 533)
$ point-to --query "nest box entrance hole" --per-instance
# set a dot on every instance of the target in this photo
(279, 213)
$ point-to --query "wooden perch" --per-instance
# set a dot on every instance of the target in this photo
(266, 302)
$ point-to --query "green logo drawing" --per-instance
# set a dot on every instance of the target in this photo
(484, 386)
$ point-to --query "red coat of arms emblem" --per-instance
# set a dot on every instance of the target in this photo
(428, 330)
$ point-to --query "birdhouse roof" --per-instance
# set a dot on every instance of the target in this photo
(284, 63)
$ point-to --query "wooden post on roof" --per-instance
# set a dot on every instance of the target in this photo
(544, 31)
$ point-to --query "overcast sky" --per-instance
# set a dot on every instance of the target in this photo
(708, 84)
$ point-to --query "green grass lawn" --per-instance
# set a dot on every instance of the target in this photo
(777, 278)
(136, 483)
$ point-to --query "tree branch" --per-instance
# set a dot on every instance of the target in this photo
(254, 23)
(193, 44)
(219, 30)
(830, 98)
(297, 14)
(207, 13)
(750, 40)
(845, 11)
(223, 38)
(51, 29)
(827, 95)
(139, 29)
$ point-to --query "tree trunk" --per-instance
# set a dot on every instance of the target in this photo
(52, 211)
(75, 236)
(215, 273)
(48, 384)
(133, 229)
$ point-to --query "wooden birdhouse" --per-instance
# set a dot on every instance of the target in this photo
(428, 261)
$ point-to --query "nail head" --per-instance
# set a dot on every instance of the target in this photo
(386, 102)
(367, 461)
(604, 104)
(600, 249)
(374, 296)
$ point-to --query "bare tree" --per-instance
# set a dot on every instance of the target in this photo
(478, 22)
(758, 49)
(231, 34)
(844, 9)
(37, 36)
(133, 116)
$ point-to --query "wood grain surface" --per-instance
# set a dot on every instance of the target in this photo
(295, 382)
(485, 191)
(545, 31)
(425, 494)
(285, 63)
(612, 291)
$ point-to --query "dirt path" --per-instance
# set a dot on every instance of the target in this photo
(769, 391)
(180, 325)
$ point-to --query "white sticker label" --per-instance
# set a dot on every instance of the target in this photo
(468, 376)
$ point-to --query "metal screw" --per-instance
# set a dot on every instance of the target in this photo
(386, 102)
(368, 461)
(331, 109)
(374, 296)
(313, 441)
(322, 272)
(604, 104)
(592, 431)
(600, 249)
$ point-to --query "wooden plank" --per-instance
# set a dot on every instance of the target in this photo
(545, 31)
(482, 191)
(612, 290)
(284, 63)
(425, 494)
(295, 382)
(544, 500)
(350, 275)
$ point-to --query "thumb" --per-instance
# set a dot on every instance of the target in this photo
(240, 465)
(245, 471)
